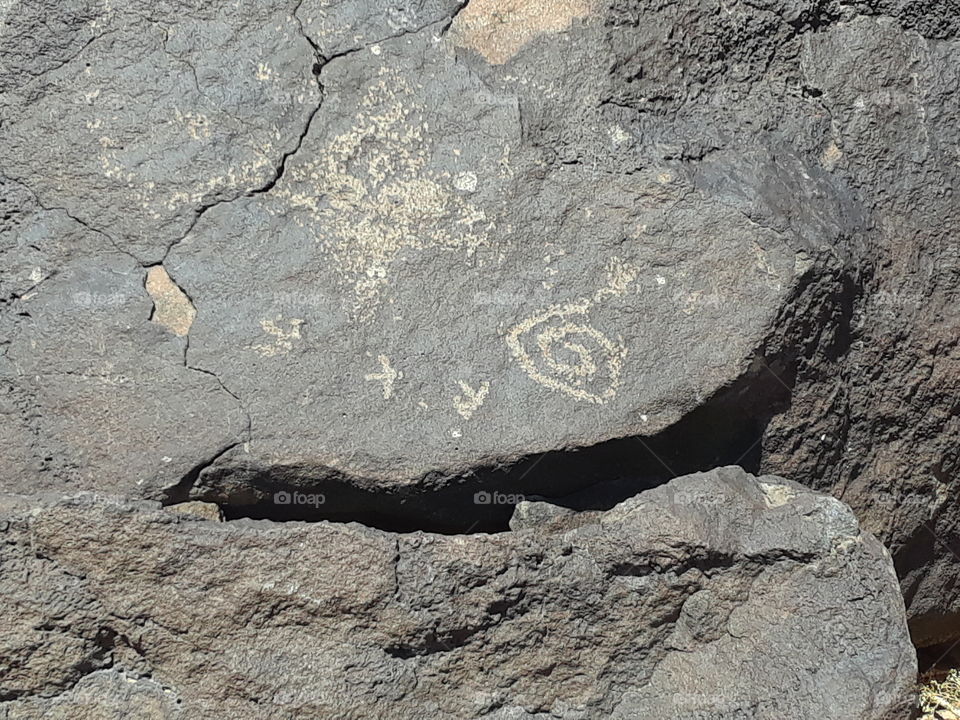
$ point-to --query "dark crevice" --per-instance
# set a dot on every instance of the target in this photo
(79, 221)
(935, 661)
(153, 304)
(102, 656)
(450, 20)
(181, 491)
(316, 70)
(724, 431)
(14, 296)
(282, 166)
(433, 644)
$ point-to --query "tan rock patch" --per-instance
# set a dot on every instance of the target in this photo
(498, 29)
(203, 510)
(172, 308)
(831, 156)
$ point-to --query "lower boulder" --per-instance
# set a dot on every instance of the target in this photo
(715, 595)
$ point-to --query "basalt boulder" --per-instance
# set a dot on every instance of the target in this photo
(397, 254)
(411, 247)
(716, 595)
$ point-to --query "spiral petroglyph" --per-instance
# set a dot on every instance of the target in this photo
(569, 357)
(562, 351)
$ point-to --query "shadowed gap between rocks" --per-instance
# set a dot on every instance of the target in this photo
(726, 430)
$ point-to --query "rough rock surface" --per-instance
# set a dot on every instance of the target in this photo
(93, 394)
(879, 426)
(405, 245)
(458, 295)
(373, 248)
(134, 117)
(717, 595)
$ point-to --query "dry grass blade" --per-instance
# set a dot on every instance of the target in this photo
(941, 700)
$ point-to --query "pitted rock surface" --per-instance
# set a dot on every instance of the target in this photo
(387, 250)
(383, 249)
(717, 595)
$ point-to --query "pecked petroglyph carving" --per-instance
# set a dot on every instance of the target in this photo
(387, 376)
(370, 194)
(471, 400)
(535, 344)
(283, 337)
(118, 163)
(562, 351)
(125, 159)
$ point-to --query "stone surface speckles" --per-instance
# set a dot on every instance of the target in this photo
(390, 256)
(675, 602)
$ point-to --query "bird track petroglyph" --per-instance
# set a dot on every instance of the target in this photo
(387, 376)
(471, 400)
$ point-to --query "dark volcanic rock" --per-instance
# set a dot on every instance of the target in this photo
(879, 426)
(94, 395)
(424, 292)
(717, 595)
(437, 256)
(137, 116)
(385, 251)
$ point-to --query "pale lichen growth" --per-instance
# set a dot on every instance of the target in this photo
(117, 163)
(775, 495)
(196, 124)
(139, 138)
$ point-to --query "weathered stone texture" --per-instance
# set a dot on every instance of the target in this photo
(712, 596)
